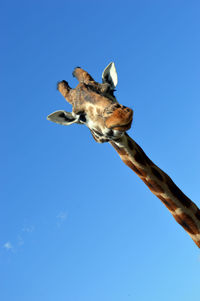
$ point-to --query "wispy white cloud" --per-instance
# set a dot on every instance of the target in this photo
(20, 241)
(61, 218)
(8, 246)
(28, 229)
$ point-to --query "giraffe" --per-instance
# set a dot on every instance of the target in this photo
(94, 105)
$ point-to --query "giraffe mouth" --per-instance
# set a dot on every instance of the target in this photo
(120, 119)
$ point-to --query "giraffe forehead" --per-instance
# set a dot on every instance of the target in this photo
(89, 94)
(94, 111)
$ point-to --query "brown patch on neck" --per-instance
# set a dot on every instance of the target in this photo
(130, 144)
(197, 214)
(168, 203)
(141, 157)
(156, 173)
(153, 186)
(141, 173)
(187, 223)
(176, 192)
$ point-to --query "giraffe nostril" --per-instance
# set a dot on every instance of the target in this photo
(126, 109)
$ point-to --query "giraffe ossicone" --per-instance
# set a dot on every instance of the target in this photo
(94, 105)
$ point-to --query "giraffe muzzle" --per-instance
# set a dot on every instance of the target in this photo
(120, 119)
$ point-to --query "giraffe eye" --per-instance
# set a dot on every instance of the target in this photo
(110, 133)
(82, 117)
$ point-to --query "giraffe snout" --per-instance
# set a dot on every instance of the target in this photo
(120, 119)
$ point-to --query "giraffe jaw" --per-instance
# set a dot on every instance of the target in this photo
(115, 126)
(123, 128)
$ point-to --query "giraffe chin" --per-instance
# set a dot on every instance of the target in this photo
(120, 120)
(123, 128)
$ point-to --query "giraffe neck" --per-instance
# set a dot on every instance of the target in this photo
(185, 212)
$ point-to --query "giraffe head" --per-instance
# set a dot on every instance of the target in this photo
(95, 105)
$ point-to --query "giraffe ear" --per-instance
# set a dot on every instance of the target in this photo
(62, 117)
(109, 75)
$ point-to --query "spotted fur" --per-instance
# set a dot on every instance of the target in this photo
(185, 212)
(95, 106)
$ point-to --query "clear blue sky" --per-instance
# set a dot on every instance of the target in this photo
(76, 223)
